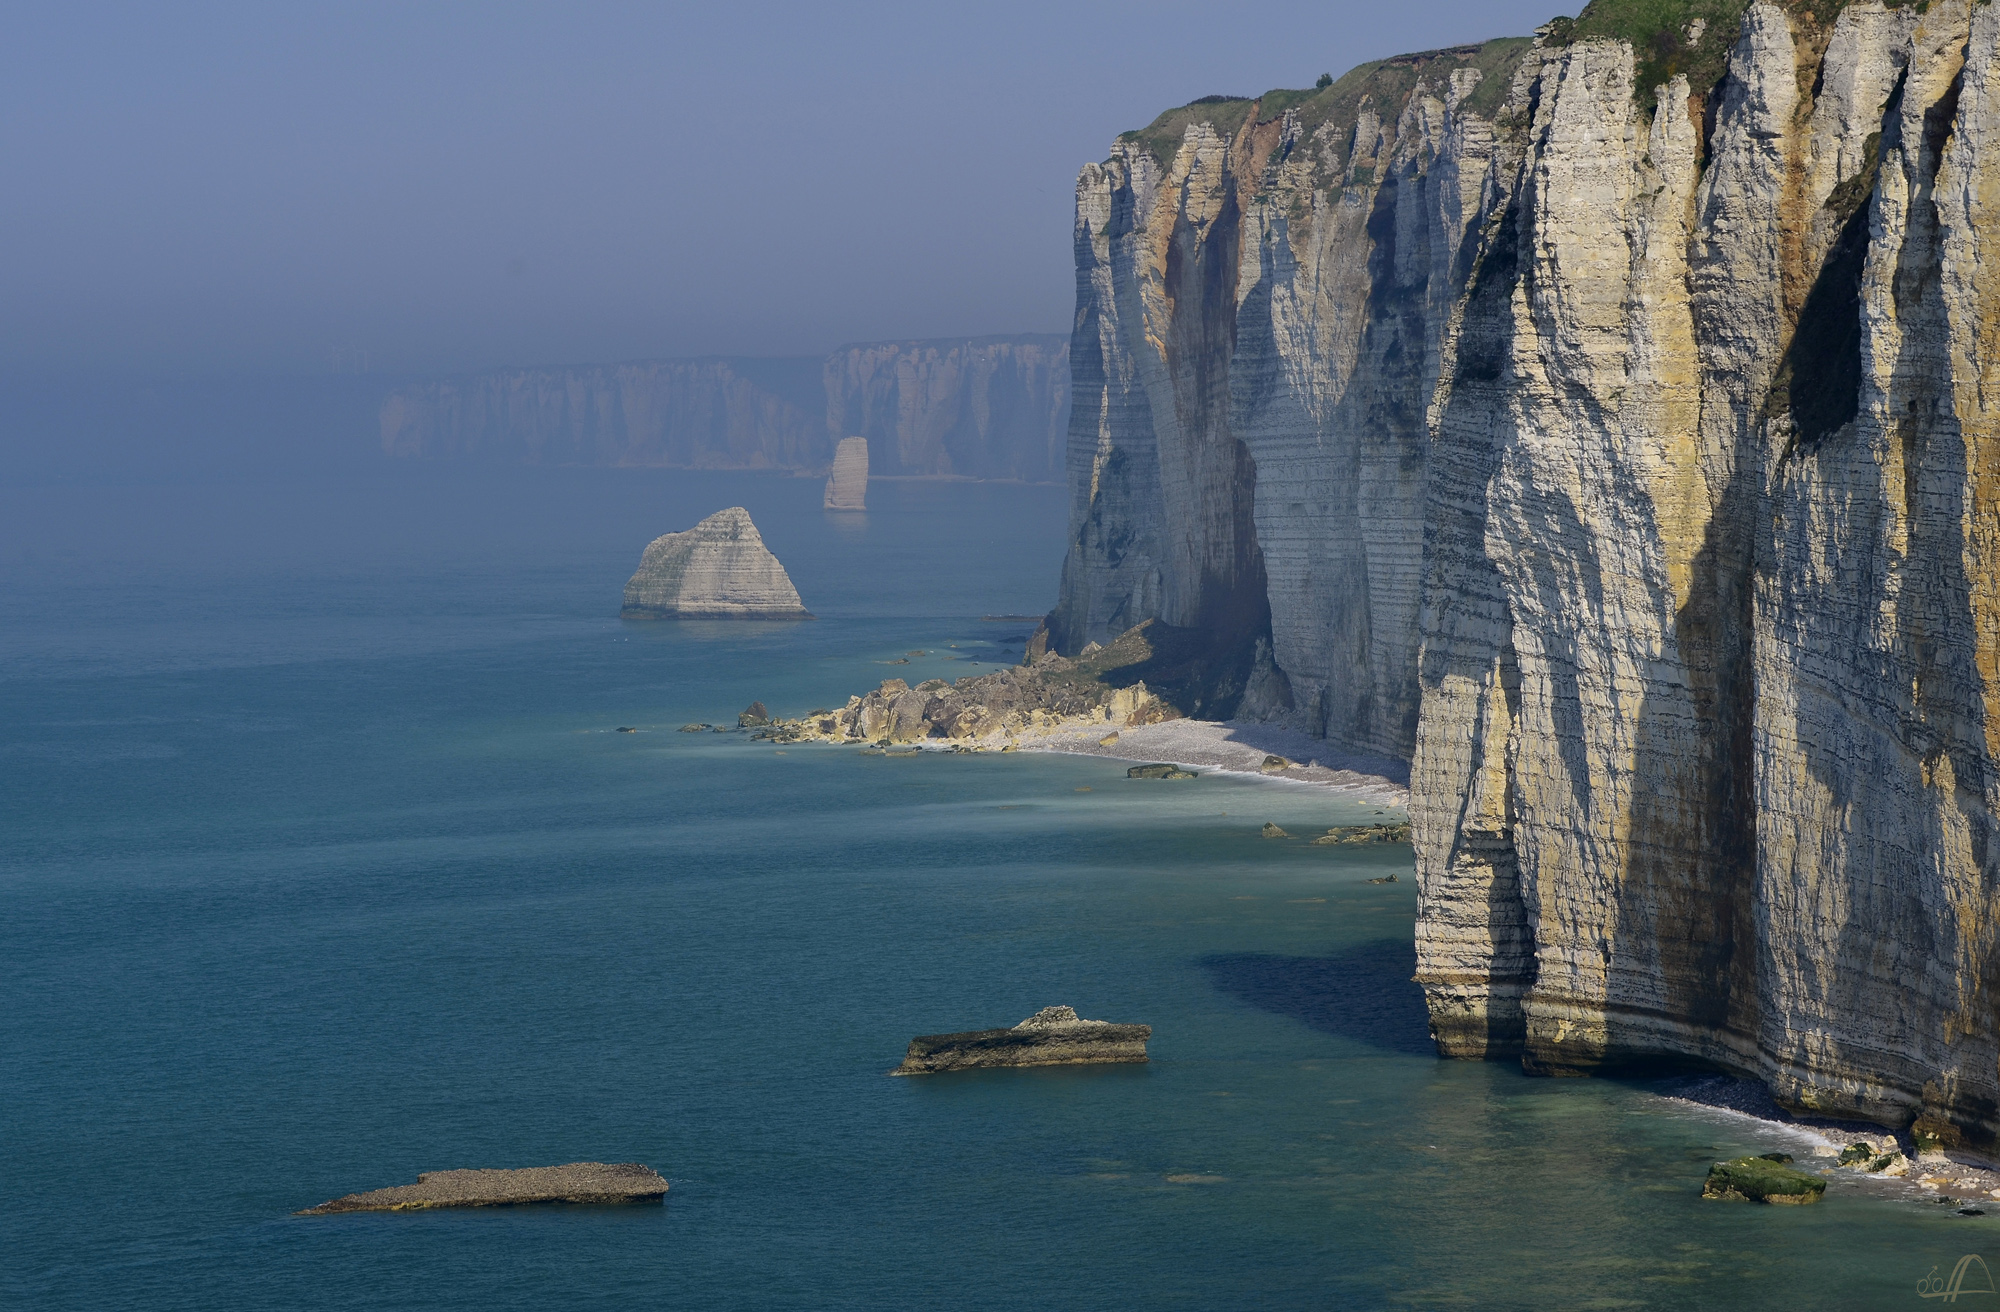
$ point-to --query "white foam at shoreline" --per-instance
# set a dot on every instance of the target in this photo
(1236, 748)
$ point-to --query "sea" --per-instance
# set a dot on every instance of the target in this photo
(324, 862)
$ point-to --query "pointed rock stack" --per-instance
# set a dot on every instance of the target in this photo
(847, 488)
(719, 569)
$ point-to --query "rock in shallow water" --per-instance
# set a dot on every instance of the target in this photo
(1766, 1179)
(1053, 1036)
(1160, 771)
(847, 486)
(577, 1182)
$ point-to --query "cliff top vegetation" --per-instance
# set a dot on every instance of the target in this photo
(1691, 37)
(1669, 38)
(1384, 83)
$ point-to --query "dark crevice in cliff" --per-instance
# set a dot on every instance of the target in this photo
(1691, 892)
(1819, 379)
(1218, 559)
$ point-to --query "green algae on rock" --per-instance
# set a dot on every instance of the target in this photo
(1765, 1179)
(1053, 1036)
(1396, 833)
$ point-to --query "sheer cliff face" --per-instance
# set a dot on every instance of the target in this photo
(1877, 606)
(992, 407)
(1637, 436)
(1259, 309)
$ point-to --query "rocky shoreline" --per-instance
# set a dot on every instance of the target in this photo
(1852, 1155)
(1127, 701)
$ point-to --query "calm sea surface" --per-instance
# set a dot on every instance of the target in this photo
(324, 865)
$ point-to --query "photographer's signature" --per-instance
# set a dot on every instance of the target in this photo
(1963, 1280)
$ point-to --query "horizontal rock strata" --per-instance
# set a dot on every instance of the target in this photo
(1053, 1036)
(578, 1182)
(1599, 421)
(719, 569)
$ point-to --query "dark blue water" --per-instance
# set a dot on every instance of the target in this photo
(324, 866)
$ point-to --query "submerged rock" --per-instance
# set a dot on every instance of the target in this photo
(1766, 1179)
(1053, 1036)
(577, 1182)
(1160, 771)
(847, 486)
(719, 569)
(1396, 833)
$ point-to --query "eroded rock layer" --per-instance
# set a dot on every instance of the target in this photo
(1601, 422)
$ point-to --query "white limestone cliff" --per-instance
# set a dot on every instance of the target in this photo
(981, 407)
(1607, 433)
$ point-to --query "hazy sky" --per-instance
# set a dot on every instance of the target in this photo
(283, 187)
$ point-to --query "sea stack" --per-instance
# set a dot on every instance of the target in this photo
(578, 1182)
(847, 488)
(1053, 1036)
(719, 569)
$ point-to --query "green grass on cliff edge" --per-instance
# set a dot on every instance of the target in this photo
(1668, 38)
(1386, 83)
(1664, 39)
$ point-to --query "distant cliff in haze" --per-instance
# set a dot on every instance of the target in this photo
(978, 407)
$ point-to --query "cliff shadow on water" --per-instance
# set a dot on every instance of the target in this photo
(1364, 993)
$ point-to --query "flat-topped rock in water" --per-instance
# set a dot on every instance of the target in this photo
(719, 569)
(1053, 1036)
(847, 486)
(577, 1182)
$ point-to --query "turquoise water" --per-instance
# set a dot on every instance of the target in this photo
(325, 865)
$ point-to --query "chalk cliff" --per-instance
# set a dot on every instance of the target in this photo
(719, 569)
(981, 407)
(1601, 422)
(977, 407)
(690, 414)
